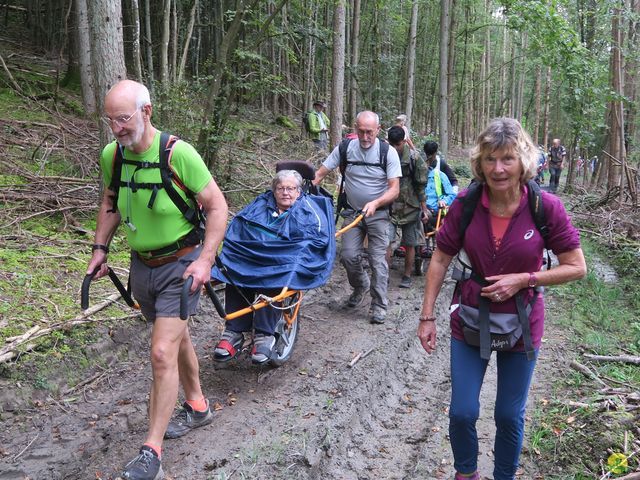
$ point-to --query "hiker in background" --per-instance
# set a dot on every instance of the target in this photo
(318, 125)
(371, 184)
(410, 207)
(502, 248)
(439, 195)
(557, 156)
(439, 163)
(401, 121)
(542, 163)
(166, 248)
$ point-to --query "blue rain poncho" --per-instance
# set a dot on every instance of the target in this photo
(296, 249)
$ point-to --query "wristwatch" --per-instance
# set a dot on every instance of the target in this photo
(533, 280)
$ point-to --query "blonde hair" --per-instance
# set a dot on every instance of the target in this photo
(505, 133)
(402, 118)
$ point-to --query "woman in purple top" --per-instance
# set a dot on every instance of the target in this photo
(505, 250)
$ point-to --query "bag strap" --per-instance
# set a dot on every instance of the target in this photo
(485, 331)
(525, 324)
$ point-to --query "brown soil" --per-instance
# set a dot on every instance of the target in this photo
(313, 418)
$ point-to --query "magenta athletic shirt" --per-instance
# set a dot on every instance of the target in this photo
(520, 251)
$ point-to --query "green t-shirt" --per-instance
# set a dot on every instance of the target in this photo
(163, 224)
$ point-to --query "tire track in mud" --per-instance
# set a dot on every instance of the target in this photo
(312, 418)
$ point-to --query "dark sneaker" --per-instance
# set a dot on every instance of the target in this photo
(425, 251)
(377, 315)
(357, 297)
(262, 348)
(473, 476)
(405, 282)
(186, 420)
(146, 466)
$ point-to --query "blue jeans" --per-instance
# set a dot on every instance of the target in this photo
(467, 375)
(263, 320)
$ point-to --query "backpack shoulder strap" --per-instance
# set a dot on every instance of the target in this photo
(537, 209)
(342, 150)
(384, 150)
(116, 174)
(168, 176)
(469, 203)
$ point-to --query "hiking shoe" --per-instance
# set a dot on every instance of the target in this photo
(377, 315)
(229, 346)
(425, 251)
(473, 476)
(186, 420)
(357, 297)
(405, 282)
(262, 348)
(146, 466)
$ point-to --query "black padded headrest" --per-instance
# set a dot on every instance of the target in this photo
(305, 169)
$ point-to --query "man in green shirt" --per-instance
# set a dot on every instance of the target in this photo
(166, 249)
(319, 126)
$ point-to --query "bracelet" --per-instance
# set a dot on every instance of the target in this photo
(99, 246)
(427, 319)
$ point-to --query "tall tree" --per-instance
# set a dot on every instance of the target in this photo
(164, 43)
(135, 44)
(445, 23)
(107, 53)
(84, 58)
(187, 40)
(337, 83)
(411, 62)
(353, 68)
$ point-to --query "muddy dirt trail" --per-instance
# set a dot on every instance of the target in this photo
(313, 418)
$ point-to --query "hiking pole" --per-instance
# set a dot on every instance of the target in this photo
(84, 291)
(357, 220)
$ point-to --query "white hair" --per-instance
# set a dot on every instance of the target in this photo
(282, 174)
(368, 112)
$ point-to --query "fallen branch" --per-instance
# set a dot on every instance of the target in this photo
(613, 358)
(631, 476)
(359, 357)
(25, 448)
(11, 351)
(585, 371)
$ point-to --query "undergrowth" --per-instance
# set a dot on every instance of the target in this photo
(574, 433)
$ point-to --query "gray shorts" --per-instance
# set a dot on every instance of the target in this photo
(411, 236)
(158, 289)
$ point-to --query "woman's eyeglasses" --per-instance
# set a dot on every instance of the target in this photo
(286, 189)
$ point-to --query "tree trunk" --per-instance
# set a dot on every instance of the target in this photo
(135, 41)
(148, 46)
(411, 63)
(174, 42)
(538, 89)
(187, 40)
(444, 62)
(616, 128)
(337, 84)
(84, 58)
(355, 57)
(547, 100)
(164, 43)
(107, 53)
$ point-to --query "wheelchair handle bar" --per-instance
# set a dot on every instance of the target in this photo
(84, 291)
(184, 298)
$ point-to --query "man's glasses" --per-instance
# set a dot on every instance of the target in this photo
(120, 121)
(286, 189)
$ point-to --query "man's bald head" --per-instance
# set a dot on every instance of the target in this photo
(367, 128)
(556, 142)
(129, 91)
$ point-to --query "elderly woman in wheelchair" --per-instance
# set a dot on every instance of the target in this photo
(281, 242)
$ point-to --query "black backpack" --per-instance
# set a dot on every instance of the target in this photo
(169, 178)
(305, 121)
(342, 150)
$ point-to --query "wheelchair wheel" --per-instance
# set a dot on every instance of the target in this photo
(287, 330)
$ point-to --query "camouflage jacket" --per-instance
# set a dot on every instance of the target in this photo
(406, 208)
